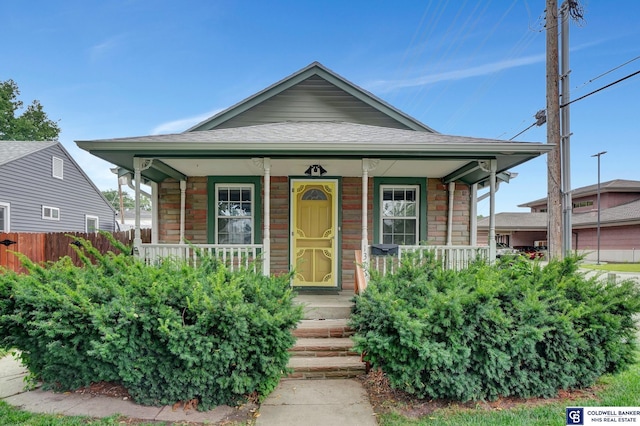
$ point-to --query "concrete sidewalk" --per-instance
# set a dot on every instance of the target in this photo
(317, 403)
(294, 402)
(73, 404)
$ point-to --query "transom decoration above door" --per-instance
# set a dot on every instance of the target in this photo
(314, 236)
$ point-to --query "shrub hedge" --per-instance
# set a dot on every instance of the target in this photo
(510, 329)
(167, 333)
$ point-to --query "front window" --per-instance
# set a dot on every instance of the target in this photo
(4, 217)
(399, 213)
(234, 215)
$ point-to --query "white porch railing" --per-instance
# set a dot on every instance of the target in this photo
(235, 257)
(451, 257)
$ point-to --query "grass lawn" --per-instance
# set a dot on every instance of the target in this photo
(12, 416)
(621, 390)
(613, 267)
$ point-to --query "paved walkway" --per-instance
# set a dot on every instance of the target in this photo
(294, 402)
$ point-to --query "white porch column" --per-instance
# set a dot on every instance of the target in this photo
(139, 164)
(493, 165)
(266, 238)
(137, 240)
(452, 188)
(154, 213)
(473, 212)
(364, 244)
(368, 164)
(183, 202)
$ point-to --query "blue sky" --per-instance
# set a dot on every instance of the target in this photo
(474, 68)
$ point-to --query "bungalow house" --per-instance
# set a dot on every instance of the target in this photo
(42, 189)
(307, 172)
(619, 222)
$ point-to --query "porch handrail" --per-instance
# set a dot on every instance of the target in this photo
(232, 255)
(452, 257)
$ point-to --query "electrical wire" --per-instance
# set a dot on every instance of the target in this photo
(607, 72)
(602, 88)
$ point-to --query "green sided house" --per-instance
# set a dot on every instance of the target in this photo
(306, 173)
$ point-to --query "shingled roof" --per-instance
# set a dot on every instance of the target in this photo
(12, 150)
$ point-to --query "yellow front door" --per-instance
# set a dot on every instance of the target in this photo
(314, 237)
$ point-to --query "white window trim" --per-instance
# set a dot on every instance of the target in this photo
(384, 187)
(251, 186)
(60, 161)
(7, 216)
(51, 209)
(88, 217)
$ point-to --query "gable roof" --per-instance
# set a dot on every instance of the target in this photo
(316, 70)
(616, 185)
(291, 120)
(13, 150)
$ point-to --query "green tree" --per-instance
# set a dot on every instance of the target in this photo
(32, 125)
(128, 202)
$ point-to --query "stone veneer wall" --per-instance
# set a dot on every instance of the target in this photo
(351, 225)
(195, 228)
(437, 212)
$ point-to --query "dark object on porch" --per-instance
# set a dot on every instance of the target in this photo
(384, 249)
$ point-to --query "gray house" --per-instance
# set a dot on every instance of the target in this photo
(42, 189)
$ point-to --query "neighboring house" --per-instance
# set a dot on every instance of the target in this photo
(619, 222)
(310, 170)
(42, 189)
(129, 220)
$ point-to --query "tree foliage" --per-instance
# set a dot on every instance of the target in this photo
(32, 125)
(128, 202)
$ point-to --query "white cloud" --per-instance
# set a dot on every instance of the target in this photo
(100, 50)
(182, 124)
(389, 85)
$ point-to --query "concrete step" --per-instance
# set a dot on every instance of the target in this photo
(326, 368)
(323, 347)
(327, 306)
(318, 328)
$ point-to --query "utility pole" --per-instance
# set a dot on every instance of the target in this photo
(554, 200)
(567, 203)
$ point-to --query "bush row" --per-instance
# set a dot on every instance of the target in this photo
(511, 329)
(167, 333)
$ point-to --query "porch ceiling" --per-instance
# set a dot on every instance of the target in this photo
(297, 167)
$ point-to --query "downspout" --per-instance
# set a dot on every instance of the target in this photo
(183, 202)
(452, 188)
(364, 243)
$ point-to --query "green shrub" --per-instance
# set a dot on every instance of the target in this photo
(168, 332)
(511, 329)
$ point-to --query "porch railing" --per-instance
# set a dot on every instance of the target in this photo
(451, 257)
(235, 257)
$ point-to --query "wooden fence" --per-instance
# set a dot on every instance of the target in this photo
(49, 247)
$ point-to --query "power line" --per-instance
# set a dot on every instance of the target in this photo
(602, 88)
(580, 98)
(607, 72)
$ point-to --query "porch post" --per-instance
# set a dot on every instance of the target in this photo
(183, 202)
(364, 246)
(266, 238)
(139, 164)
(473, 212)
(493, 165)
(452, 188)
